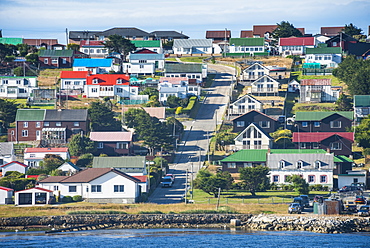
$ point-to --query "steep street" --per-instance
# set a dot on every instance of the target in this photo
(191, 152)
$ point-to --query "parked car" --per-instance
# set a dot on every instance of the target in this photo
(295, 208)
(349, 205)
(166, 182)
(360, 199)
(364, 210)
(299, 200)
(305, 201)
(172, 176)
(351, 189)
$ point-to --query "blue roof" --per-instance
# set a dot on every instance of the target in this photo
(92, 62)
(136, 56)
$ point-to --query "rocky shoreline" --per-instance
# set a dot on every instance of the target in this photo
(270, 222)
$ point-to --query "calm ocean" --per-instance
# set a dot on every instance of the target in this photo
(182, 238)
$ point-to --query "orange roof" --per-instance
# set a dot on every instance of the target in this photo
(108, 79)
(246, 34)
(331, 31)
(74, 74)
(142, 179)
(49, 149)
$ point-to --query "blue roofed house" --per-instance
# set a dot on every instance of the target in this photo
(96, 66)
(193, 46)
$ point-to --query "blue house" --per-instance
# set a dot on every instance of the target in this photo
(95, 66)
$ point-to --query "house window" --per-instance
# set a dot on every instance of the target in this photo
(264, 124)
(25, 124)
(141, 66)
(54, 61)
(323, 179)
(32, 155)
(72, 189)
(275, 178)
(335, 124)
(94, 90)
(121, 145)
(58, 124)
(305, 124)
(119, 81)
(119, 90)
(24, 133)
(95, 81)
(231, 165)
(46, 61)
(67, 82)
(302, 145)
(315, 145)
(317, 164)
(142, 61)
(95, 188)
(76, 124)
(100, 145)
(311, 178)
(240, 123)
(336, 146)
(5, 81)
(299, 164)
(56, 187)
(119, 188)
(38, 124)
(64, 61)
(281, 164)
(18, 82)
(286, 177)
(316, 124)
(76, 83)
(46, 124)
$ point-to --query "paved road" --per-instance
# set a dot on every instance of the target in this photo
(191, 153)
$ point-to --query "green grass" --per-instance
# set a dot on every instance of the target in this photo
(24, 102)
(193, 59)
(171, 59)
(304, 107)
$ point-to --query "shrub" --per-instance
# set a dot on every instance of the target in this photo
(150, 212)
(67, 199)
(77, 198)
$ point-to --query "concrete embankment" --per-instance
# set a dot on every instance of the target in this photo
(313, 223)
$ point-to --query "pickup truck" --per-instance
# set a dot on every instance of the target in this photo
(166, 182)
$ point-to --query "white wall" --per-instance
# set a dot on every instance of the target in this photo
(5, 194)
(305, 173)
(14, 167)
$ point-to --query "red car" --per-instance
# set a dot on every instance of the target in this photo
(360, 199)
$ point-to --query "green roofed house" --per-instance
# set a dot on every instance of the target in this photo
(326, 56)
(361, 106)
(152, 45)
(131, 165)
(247, 47)
(59, 58)
(11, 41)
(340, 121)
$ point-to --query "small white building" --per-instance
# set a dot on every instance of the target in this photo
(265, 85)
(33, 196)
(6, 195)
(245, 104)
(191, 71)
(33, 156)
(293, 86)
(69, 167)
(7, 153)
(355, 176)
(14, 166)
(253, 137)
(326, 56)
(192, 46)
(73, 80)
(93, 48)
(17, 87)
(95, 66)
(254, 72)
(318, 90)
(295, 45)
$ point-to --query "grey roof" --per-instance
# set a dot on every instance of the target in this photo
(172, 34)
(125, 32)
(172, 89)
(290, 160)
(183, 68)
(189, 43)
(119, 162)
(82, 34)
(6, 148)
(153, 56)
(66, 115)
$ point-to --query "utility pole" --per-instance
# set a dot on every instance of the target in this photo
(66, 36)
(200, 155)
(192, 190)
(208, 149)
(218, 199)
(186, 186)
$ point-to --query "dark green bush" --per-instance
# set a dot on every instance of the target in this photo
(67, 199)
(77, 198)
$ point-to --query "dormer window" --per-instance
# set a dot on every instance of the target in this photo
(95, 81)
(299, 164)
(281, 164)
(119, 81)
(317, 164)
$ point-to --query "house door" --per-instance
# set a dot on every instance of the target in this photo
(38, 135)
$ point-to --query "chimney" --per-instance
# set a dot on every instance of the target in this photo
(269, 151)
(328, 150)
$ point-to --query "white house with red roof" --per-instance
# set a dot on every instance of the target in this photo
(318, 90)
(100, 185)
(33, 156)
(93, 48)
(13, 166)
(73, 80)
(6, 195)
(33, 196)
(101, 85)
(112, 143)
(295, 45)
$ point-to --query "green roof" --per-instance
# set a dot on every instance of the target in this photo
(56, 53)
(247, 42)
(361, 101)
(146, 43)
(11, 41)
(183, 68)
(119, 162)
(260, 155)
(341, 159)
(324, 50)
(316, 116)
(30, 115)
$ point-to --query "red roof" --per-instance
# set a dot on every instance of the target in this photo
(39, 42)
(261, 30)
(37, 188)
(32, 176)
(145, 51)
(142, 179)
(14, 162)
(49, 149)
(320, 136)
(297, 41)
(173, 80)
(218, 34)
(246, 34)
(331, 31)
(324, 81)
(91, 43)
(74, 74)
(110, 136)
(108, 79)
(5, 188)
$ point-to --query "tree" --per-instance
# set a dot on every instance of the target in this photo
(225, 138)
(79, 145)
(299, 184)
(33, 58)
(173, 101)
(285, 29)
(255, 178)
(23, 49)
(362, 134)
(73, 46)
(283, 138)
(351, 30)
(15, 180)
(8, 110)
(344, 103)
(85, 160)
(52, 162)
(150, 92)
(211, 183)
(118, 44)
(102, 118)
